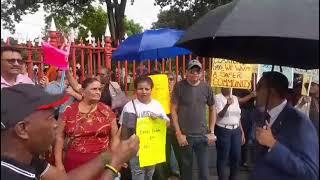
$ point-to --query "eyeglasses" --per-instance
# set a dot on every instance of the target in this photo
(13, 61)
(194, 72)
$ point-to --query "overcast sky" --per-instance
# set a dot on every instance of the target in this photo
(142, 11)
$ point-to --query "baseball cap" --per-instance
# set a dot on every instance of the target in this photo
(193, 63)
(19, 101)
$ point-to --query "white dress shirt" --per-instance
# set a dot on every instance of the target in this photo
(274, 112)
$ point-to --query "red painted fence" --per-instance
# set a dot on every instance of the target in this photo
(92, 58)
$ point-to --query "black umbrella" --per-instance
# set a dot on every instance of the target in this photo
(278, 32)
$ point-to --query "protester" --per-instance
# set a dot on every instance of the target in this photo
(88, 127)
(170, 168)
(55, 87)
(310, 104)
(141, 70)
(28, 129)
(52, 73)
(314, 106)
(142, 106)
(246, 100)
(109, 88)
(24, 70)
(288, 144)
(230, 135)
(11, 67)
(189, 100)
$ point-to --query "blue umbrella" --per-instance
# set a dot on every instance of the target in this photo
(151, 44)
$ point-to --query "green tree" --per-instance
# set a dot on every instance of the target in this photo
(12, 10)
(173, 18)
(94, 19)
(132, 28)
(183, 13)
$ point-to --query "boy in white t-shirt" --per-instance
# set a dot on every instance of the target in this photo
(142, 106)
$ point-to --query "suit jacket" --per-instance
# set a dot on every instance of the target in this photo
(295, 156)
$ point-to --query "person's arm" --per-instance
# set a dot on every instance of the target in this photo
(73, 82)
(212, 118)
(247, 98)
(174, 117)
(58, 148)
(70, 91)
(243, 139)
(120, 153)
(212, 110)
(225, 108)
(114, 127)
(299, 156)
(87, 171)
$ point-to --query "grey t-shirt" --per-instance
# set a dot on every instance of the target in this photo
(191, 102)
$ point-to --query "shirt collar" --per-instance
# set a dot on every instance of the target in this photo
(274, 112)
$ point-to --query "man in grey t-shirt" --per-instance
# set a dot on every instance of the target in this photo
(189, 100)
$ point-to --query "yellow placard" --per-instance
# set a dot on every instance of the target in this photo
(152, 136)
(231, 74)
(160, 91)
(306, 85)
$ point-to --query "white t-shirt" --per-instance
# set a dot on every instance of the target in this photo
(232, 115)
(128, 115)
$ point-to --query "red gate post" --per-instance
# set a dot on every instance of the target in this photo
(177, 68)
(156, 64)
(90, 61)
(170, 66)
(82, 60)
(99, 57)
(126, 77)
(183, 66)
(40, 59)
(134, 70)
(108, 50)
(149, 66)
(74, 60)
(8, 41)
(163, 65)
(29, 61)
(118, 73)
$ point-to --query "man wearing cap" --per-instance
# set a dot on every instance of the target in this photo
(11, 67)
(189, 100)
(28, 129)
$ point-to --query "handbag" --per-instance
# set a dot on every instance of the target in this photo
(119, 99)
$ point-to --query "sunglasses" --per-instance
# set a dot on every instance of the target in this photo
(13, 61)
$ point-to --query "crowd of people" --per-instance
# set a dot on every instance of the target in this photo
(60, 128)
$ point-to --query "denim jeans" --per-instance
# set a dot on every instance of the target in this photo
(199, 145)
(228, 146)
(169, 168)
(138, 173)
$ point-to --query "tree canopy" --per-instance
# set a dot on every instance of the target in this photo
(13, 10)
(183, 13)
(94, 19)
